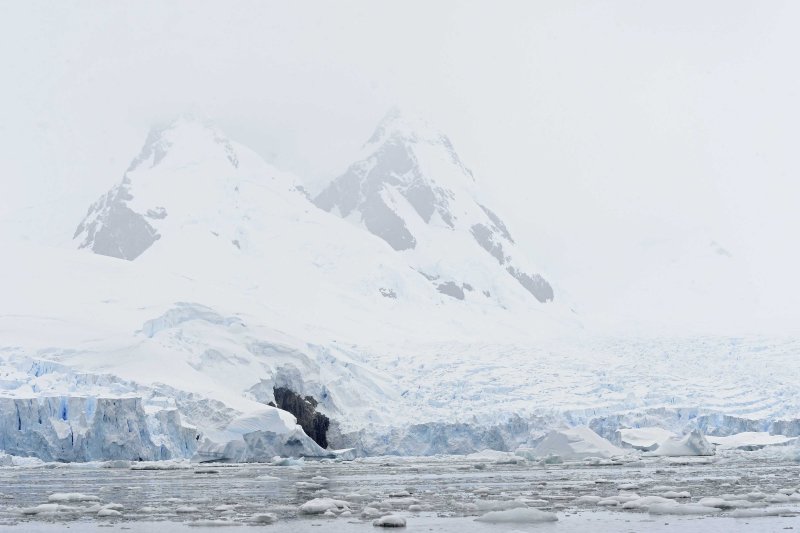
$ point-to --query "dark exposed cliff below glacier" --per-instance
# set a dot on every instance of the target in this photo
(313, 423)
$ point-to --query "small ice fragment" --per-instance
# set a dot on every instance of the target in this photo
(517, 516)
(224, 507)
(673, 495)
(756, 513)
(264, 518)
(62, 497)
(681, 509)
(320, 505)
(389, 521)
(370, 512)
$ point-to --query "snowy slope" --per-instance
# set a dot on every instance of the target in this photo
(197, 203)
(206, 278)
(213, 279)
(411, 189)
(687, 283)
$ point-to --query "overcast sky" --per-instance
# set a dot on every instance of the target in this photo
(615, 137)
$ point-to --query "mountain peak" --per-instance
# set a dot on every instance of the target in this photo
(186, 130)
(412, 190)
(400, 128)
(410, 127)
(184, 170)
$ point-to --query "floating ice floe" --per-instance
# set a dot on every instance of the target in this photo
(162, 465)
(370, 512)
(68, 497)
(305, 485)
(48, 508)
(225, 507)
(646, 502)
(495, 456)
(213, 523)
(499, 505)
(756, 513)
(320, 505)
(264, 518)
(674, 495)
(691, 444)
(287, 461)
(517, 516)
(389, 521)
(399, 502)
(675, 508)
(575, 444)
(587, 500)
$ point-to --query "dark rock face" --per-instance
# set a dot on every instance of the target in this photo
(387, 293)
(535, 284)
(313, 423)
(362, 187)
(451, 289)
(112, 228)
(485, 237)
(498, 224)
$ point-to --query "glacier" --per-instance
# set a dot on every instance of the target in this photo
(206, 279)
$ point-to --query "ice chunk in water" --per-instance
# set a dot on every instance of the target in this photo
(517, 516)
(390, 521)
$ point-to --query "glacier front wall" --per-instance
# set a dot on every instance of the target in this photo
(86, 429)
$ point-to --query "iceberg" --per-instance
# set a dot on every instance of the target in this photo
(575, 444)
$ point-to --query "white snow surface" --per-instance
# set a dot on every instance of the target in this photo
(646, 439)
(749, 440)
(576, 443)
(693, 443)
(174, 353)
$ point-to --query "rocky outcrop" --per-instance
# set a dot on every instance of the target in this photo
(314, 424)
(112, 228)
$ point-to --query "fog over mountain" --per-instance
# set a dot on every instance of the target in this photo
(613, 165)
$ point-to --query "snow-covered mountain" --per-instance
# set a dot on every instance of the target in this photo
(195, 202)
(203, 282)
(207, 285)
(411, 189)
